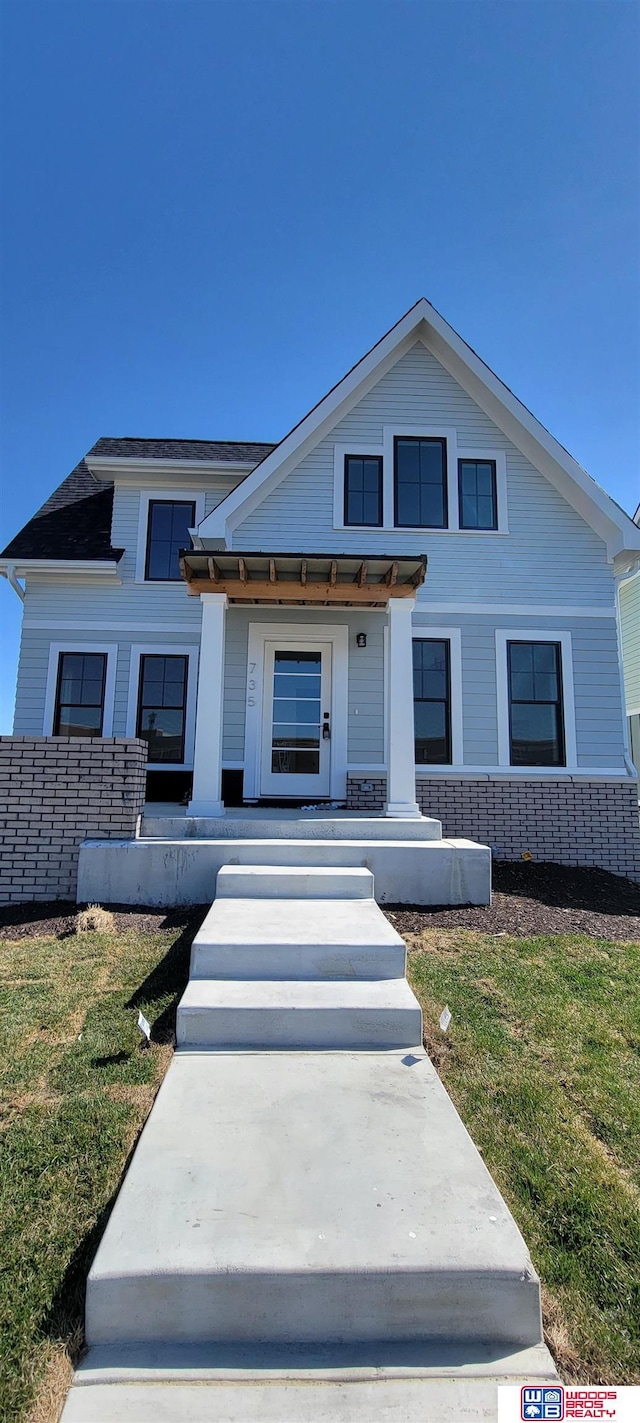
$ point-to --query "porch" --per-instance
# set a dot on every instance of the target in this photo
(175, 859)
(280, 679)
(317, 682)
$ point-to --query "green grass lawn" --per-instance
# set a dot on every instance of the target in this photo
(74, 1091)
(542, 1059)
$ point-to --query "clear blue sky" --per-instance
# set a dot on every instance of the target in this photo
(210, 211)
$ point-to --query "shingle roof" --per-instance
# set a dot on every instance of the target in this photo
(226, 451)
(75, 521)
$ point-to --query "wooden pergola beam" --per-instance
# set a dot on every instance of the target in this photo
(213, 570)
(362, 573)
(273, 573)
(292, 591)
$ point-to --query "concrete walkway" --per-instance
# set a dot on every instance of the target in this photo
(306, 1233)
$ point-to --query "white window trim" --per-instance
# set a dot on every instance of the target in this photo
(180, 496)
(55, 648)
(454, 637)
(340, 452)
(503, 636)
(259, 633)
(454, 453)
(157, 649)
(390, 433)
(499, 458)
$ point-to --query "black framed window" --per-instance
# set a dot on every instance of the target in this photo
(363, 490)
(79, 709)
(535, 704)
(477, 494)
(432, 701)
(167, 532)
(162, 705)
(420, 483)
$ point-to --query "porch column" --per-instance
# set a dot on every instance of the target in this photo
(401, 768)
(206, 796)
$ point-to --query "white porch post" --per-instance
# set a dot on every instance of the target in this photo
(401, 769)
(206, 796)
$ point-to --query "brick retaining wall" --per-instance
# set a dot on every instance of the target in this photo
(572, 822)
(56, 791)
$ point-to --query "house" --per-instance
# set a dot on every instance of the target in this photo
(629, 600)
(407, 606)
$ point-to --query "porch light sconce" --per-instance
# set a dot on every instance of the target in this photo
(361, 639)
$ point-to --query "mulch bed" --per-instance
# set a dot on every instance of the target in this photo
(55, 919)
(531, 898)
(528, 899)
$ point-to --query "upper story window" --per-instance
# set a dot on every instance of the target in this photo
(535, 704)
(79, 704)
(420, 483)
(477, 494)
(420, 477)
(167, 532)
(432, 701)
(363, 490)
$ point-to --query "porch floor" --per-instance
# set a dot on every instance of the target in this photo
(328, 811)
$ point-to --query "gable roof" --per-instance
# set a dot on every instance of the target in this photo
(75, 521)
(423, 323)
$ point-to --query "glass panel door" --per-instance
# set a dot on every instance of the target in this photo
(297, 720)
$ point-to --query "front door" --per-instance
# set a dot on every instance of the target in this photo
(296, 719)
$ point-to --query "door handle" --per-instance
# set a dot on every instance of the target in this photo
(326, 728)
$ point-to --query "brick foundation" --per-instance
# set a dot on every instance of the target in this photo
(572, 822)
(56, 791)
(366, 792)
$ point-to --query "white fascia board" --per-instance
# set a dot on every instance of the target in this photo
(215, 481)
(424, 323)
(103, 568)
(123, 469)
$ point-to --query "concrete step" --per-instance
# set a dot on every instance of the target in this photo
(186, 1386)
(331, 1014)
(279, 938)
(291, 1198)
(298, 881)
(184, 871)
(250, 824)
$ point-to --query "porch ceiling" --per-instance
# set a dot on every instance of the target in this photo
(323, 579)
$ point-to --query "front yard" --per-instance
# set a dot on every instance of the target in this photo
(542, 1059)
(74, 1091)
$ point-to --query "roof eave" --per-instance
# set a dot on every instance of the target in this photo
(109, 468)
(103, 569)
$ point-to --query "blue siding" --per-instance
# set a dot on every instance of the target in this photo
(598, 705)
(599, 717)
(550, 555)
